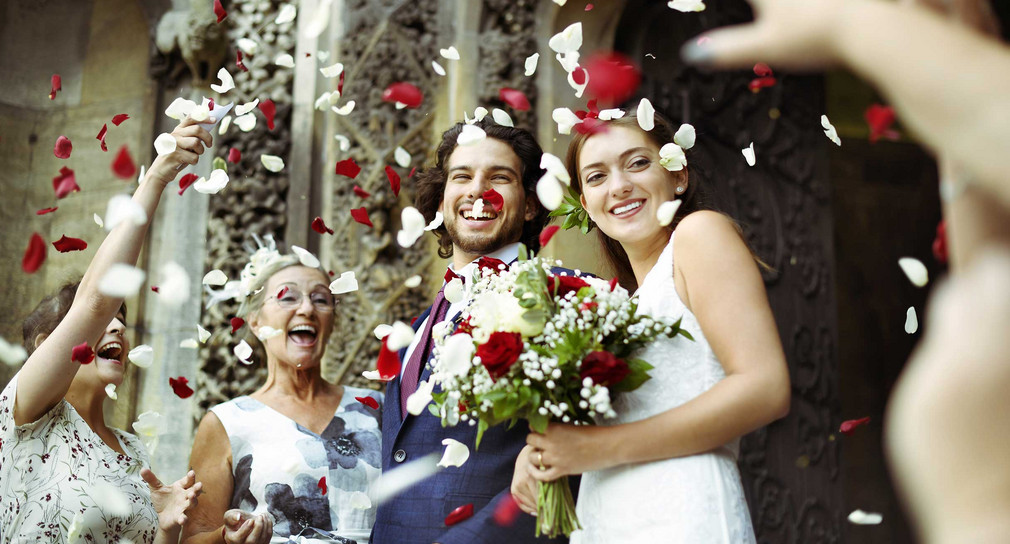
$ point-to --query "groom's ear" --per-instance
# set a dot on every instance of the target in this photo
(531, 208)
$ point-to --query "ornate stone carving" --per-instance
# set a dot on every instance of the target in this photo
(196, 36)
(507, 37)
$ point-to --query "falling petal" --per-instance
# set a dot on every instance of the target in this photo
(110, 391)
(265, 333)
(180, 386)
(450, 54)
(914, 270)
(227, 82)
(687, 6)
(118, 119)
(179, 108)
(234, 156)
(436, 222)
(165, 143)
(437, 68)
(44, 211)
(174, 288)
(412, 281)
(185, 181)
(404, 93)
(349, 168)
(859, 517)
(382, 330)
(460, 514)
(319, 226)
(402, 157)
(879, 118)
(412, 225)
(393, 482)
(123, 166)
(121, 281)
(98, 220)
(568, 40)
(646, 115)
(849, 426)
(493, 198)
(612, 113)
(55, 86)
(514, 98)
(65, 183)
(285, 60)
(189, 343)
(332, 70)
(456, 453)
(101, 136)
(269, 110)
(388, 365)
(566, 119)
(394, 180)
(142, 356)
(202, 334)
(225, 123)
(549, 192)
(82, 353)
(244, 352)
(502, 118)
(345, 142)
(666, 212)
(123, 208)
(346, 109)
(305, 257)
(219, 11)
(288, 12)
(62, 148)
(35, 254)
(361, 192)
(218, 180)
(12, 354)
(506, 511)
(360, 215)
(547, 234)
(64, 244)
(613, 77)
(748, 154)
(672, 157)
(400, 336)
(531, 64)
(911, 321)
(453, 291)
(246, 122)
(420, 398)
(685, 136)
(215, 277)
(829, 130)
(149, 426)
(272, 163)
(243, 109)
(346, 283)
(578, 79)
(470, 134)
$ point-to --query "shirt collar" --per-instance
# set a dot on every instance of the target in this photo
(507, 254)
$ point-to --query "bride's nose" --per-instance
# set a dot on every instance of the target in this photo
(619, 184)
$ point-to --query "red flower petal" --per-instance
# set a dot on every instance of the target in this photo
(44, 211)
(361, 216)
(155, 288)
(613, 283)
(236, 324)
(759, 83)
(762, 70)
(123, 165)
(56, 84)
(210, 103)
(589, 7)
(118, 119)
(282, 292)
(613, 77)
(234, 155)
(388, 364)
(319, 226)
(101, 136)
(361, 192)
(340, 85)
(507, 509)
(493, 198)
(65, 183)
(269, 110)
(591, 125)
(82, 354)
(180, 386)
(65, 244)
(940, 243)
(880, 118)
(35, 254)
(403, 92)
(548, 233)
(219, 11)
(349, 168)
(186, 181)
(238, 61)
(412, 170)
(63, 148)
(322, 485)
(579, 75)
(394, 180)
(514, 98)
(849, 426)
(368, 401)
(462, 513)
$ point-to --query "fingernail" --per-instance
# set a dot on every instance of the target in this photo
(212, 119)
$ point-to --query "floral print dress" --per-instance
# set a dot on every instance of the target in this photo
(59, 482)
(279, 467)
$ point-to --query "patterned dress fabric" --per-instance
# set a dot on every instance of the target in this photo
(697, 499)
(59, 482)
(278, 465)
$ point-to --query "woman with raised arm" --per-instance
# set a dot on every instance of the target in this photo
(295, 458)
(664, 470)
(64, 473)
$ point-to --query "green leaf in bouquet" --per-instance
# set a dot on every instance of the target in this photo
(505, 408)
(538, 422)
(537, 315)
(481, 427)
(570, 221)
(639, 374)
(433, 409)
(524, 254)
(685, 334)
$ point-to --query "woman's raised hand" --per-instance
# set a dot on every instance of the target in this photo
(172, 502)
(191, 140)
(241, 527)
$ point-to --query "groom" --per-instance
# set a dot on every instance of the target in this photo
(508, 161)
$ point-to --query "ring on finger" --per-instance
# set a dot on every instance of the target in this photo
(540, 460)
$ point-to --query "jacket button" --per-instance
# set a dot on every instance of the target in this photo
(399, 456)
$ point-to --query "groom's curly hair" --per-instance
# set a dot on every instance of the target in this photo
(431, 182)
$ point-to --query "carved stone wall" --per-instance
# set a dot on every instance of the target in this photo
(507, 37)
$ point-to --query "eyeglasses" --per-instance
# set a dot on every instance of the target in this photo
(290, 299)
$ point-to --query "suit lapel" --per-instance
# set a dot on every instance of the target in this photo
(394, 421)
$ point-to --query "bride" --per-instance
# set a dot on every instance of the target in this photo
(664, 470)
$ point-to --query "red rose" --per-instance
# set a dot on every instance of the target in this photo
(499, 352)
(491, 264)
(604, 368)
(465, 327)
(566, 284)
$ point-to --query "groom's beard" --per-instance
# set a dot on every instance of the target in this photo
(481, 243)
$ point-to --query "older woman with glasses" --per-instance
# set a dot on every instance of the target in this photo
(294, 458)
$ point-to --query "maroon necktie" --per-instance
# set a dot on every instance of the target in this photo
(412, 372)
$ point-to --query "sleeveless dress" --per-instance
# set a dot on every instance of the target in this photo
(686, 500)
(59, 482)
(278, 467)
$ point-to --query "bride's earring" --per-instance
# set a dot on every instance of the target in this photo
(680, 189)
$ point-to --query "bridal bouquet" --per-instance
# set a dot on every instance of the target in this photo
(543, 347)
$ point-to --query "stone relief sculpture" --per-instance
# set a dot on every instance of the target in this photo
(201, 42)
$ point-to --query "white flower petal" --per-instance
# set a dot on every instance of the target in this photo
(610, 114)
(285, 60)
(566, 120)
(450, 53)
(287, 14)
(437, 68)
(246, 122)
(401, 156)
(332, 70)
(179, 108)
(225, 124)
(501, 117)
(646, 115)
(412, 226)
(15, 354)
(227, 82)
(215, 277)
(436, 222)
(165, 143)
(392, 482)
(456, 453)
(189, 343)
(243, 351)
(555, 167)
(748, 154)
(123, 208)
(372, 375)
(829, 130)
(322, 102)
(579, 89)
(687, 5)
(453, 291)
(346, 109)
(265, 333)
(859, 517)
(358, 500)
(202, 334)
(479, 113)
(549, 192)
(412, 281)
(142, 356)
(568, 40)
(345, 142)
(305, 257)
(346, 283)
(531, 64)
(110, 390)
(98, 220)
(560, 2)
(121, 280)
(470, 134)
(218, 180)
(457, 354)
(200, 112)
(173, 290)
(685, 136)
(478, 207)
(243, 109)
(666, 211)
(911, 321)
(249, 47)
(672, 157)
(420, 398)
(569, 61)
(272, 163)
(915, 270)
(323, 56)
(382, 330)
(111, 500)
(319, 20)
(400, 336)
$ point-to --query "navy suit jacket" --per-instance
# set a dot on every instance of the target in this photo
(418, 514)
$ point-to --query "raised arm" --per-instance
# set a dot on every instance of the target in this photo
(946, 82)
(46, 376)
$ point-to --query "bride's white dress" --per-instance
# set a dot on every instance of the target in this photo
(687, 500)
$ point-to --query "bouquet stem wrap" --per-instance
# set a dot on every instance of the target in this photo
(556, 509)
